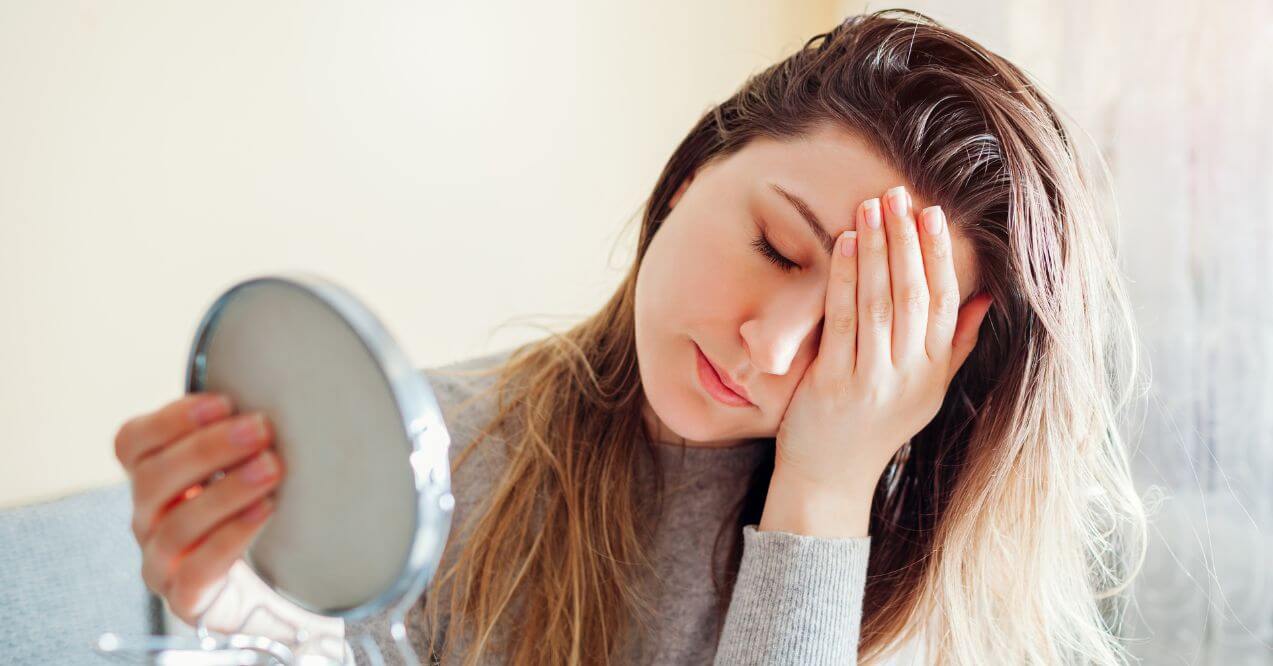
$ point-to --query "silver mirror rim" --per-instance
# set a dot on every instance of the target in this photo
(422, 424)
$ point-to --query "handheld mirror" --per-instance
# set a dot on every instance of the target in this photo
(364, 507)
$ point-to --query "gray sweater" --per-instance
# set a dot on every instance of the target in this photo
(797, 599)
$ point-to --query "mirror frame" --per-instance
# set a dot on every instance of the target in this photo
(421, 421)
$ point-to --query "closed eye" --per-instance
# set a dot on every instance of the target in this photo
(761, 243)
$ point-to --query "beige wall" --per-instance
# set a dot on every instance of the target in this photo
(454, 164)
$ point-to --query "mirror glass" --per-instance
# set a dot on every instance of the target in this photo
(364, 506)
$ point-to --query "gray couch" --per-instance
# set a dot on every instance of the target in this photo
(70, 570)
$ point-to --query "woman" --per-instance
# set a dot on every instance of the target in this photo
(886, 461)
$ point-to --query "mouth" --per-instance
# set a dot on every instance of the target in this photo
(718, 384)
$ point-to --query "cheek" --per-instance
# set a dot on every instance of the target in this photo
(726, 265)
(697, 270)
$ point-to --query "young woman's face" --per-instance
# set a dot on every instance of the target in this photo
(703, 284)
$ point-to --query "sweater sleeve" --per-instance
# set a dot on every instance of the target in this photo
(797, 600)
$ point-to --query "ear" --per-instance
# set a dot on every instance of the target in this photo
(967, 326)
(679, 191)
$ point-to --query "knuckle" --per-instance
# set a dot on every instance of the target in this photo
(946, 303)
(915, 299)
(844, 323)
(876, 393)
(880, 312)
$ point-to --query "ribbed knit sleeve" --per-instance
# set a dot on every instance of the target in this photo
(797, 600)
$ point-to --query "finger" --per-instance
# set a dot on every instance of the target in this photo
(838, 347)
(189, 522)
(211, 560)
(145, 434)
(943, 285)
(875, 302)
(906, 275)
(192, 459)
(971, 316)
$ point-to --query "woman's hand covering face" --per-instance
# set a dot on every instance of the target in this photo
(893, 337)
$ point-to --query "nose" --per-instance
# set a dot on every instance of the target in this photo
(789, 319)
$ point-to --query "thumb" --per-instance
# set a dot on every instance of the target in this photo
(967, 327)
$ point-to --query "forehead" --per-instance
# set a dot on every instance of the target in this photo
(834, 171)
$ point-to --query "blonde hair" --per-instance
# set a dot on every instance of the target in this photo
(1007, 529)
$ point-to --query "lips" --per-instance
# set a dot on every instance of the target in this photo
(725, 378)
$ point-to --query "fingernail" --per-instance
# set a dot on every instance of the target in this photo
(872, 213)
(848, 243)
(211, 409)
(898, 199)
(259, 511)
(262, 468)
(248, 431)
(933, 220)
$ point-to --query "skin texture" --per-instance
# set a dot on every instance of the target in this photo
(703, 282)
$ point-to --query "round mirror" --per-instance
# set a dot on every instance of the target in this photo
(364, 507)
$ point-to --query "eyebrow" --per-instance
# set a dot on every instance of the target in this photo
(811, 219)
(815, 225)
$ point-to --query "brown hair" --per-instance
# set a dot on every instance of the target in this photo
(1026, 438)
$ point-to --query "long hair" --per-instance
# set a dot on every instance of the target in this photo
(1008, 526)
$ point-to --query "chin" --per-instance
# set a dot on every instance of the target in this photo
(680, 411)
(675, 397)
(682, 420)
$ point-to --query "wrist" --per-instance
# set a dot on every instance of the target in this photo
(799, 505)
